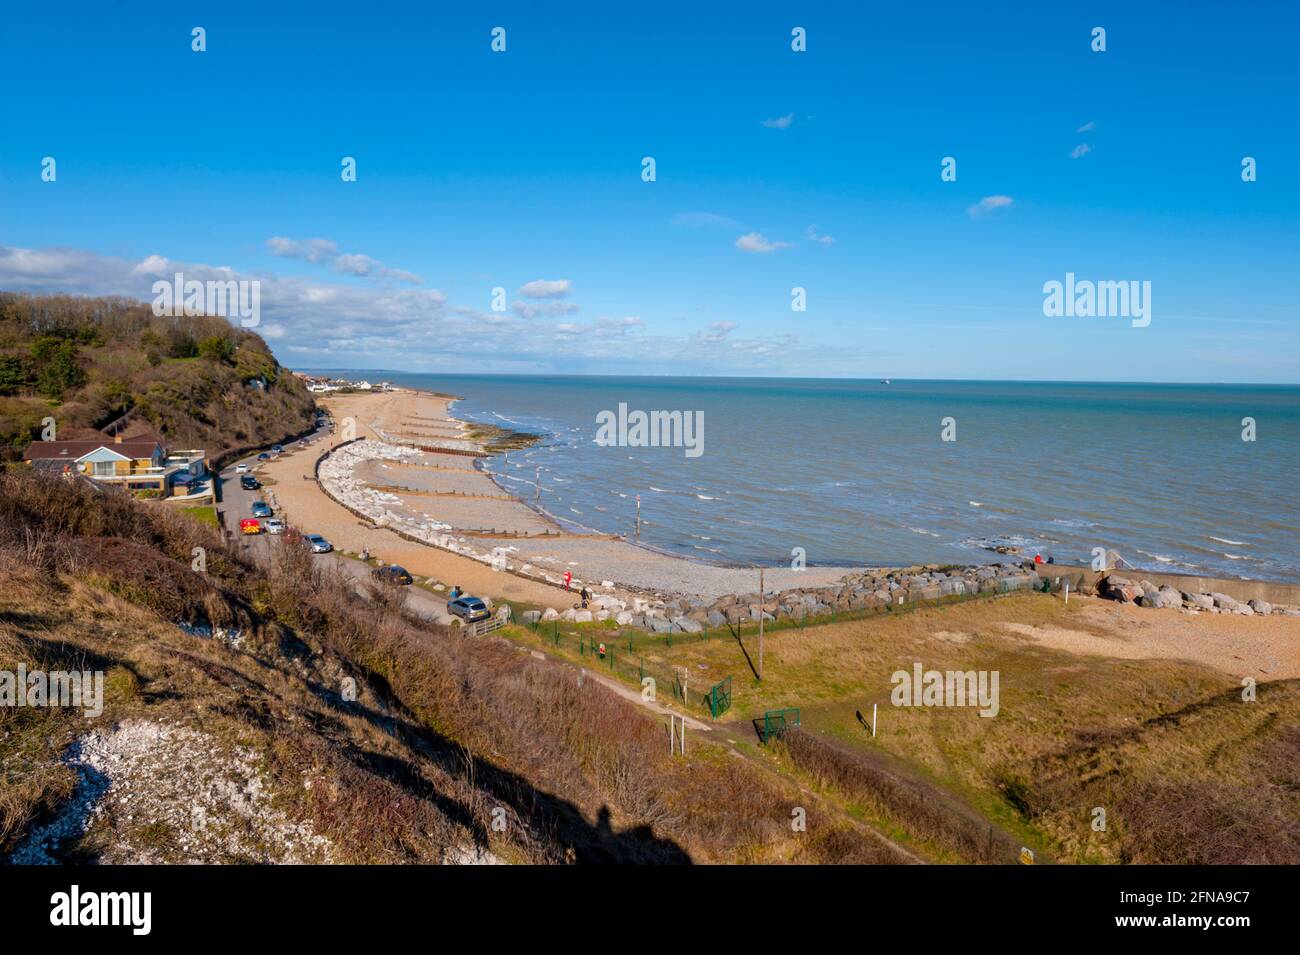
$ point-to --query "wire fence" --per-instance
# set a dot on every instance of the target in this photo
(633, 654)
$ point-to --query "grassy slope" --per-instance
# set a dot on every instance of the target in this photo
(444, 732)
(1185, 769)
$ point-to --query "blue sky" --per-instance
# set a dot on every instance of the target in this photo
(479, 170)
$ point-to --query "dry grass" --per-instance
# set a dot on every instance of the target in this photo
(1184, 768)
(444, 732)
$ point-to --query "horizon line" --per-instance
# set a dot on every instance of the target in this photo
(870, 378)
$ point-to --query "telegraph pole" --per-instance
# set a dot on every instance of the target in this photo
(761, 615)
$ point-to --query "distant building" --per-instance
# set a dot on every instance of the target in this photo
(139, 466)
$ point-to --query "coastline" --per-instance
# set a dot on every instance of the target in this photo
(430, 495)
(445, 496)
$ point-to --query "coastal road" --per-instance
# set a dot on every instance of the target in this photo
(237, 504)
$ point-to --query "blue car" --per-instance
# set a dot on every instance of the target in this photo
(262, 509)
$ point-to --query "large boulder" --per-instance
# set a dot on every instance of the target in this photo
(530, 617)
(1223, 601)
(551, 614)
(1199, 601)
(659, 624)
(716, 619)
(1119, 588)
(581, 616)
(686, 625)
(1163, 598)
(1262, 607)
(624, 618)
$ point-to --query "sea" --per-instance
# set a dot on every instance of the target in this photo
(1197, 479)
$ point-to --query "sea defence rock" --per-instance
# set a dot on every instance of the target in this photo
(530, 617)
(1147, 594)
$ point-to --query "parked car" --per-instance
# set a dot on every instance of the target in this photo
(263, 456)
(318, 544)
(469, 609)
(276, 449)
(262, 509)
(249, 483)
(241, 468)
(250, 525)
(274, 526)
(392, 574)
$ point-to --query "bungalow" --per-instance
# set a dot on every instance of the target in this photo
(134, 465)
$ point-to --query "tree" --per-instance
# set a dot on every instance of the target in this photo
(59, 372)
(13, 374)
(217, 348)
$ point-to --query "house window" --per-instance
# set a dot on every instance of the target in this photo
(105, 469)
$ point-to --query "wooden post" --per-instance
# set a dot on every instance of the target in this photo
(638, 515)
(761, 615)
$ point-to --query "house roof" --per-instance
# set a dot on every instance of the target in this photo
(74, 450)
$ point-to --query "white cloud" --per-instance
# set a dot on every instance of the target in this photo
(324, 323)
(1079, 151)
(312, 250)
(754, 242)
(780, 122)
(546, 288)
(987, 205)
(551, 309)
(354, 264)
(1087, 127)
(326, 251)
(715, 332)
(814, 236)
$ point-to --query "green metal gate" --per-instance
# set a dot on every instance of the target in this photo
(720, 698)
(775, 722)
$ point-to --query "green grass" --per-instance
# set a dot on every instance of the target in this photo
(204, 514)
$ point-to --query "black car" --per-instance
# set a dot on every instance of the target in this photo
(392, 574)
(249, 483)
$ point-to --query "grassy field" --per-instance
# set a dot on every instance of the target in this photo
(1074, 734)
(205, 513)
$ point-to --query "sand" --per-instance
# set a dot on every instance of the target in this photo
(1266, 648)
(304, 505)
(447, 489)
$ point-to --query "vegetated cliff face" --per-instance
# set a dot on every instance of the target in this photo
(91, 363)
(266, 712)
